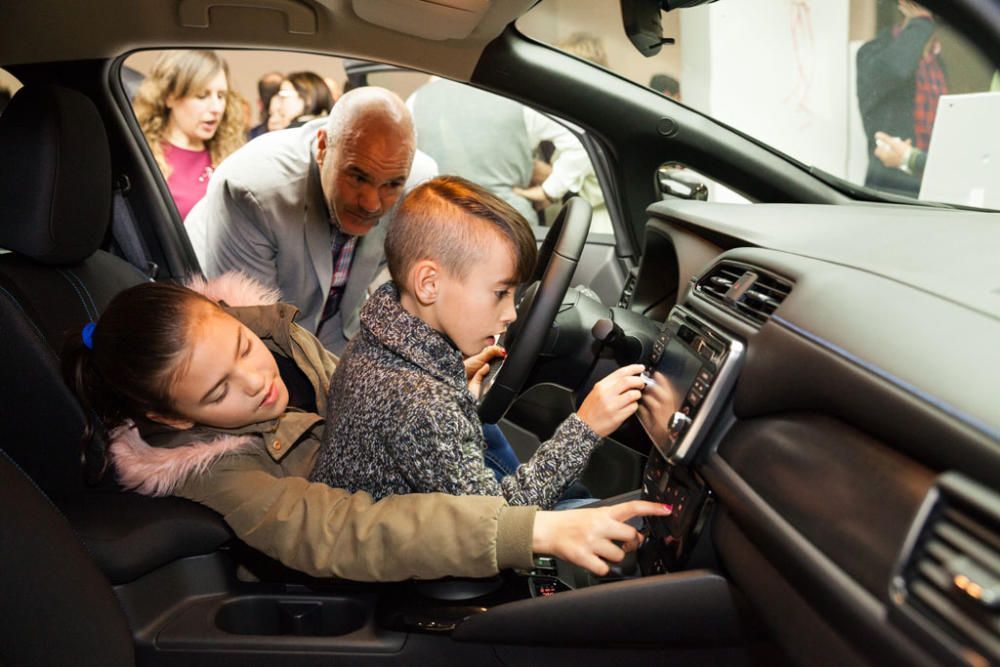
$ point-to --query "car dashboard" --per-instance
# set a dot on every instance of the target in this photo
(833, 424)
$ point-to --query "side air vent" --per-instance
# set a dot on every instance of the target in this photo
(751, 293)
(946, 588)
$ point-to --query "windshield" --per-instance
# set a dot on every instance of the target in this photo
(880, 93)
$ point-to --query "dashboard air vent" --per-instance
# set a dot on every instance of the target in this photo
(947, 585)
(751, 293)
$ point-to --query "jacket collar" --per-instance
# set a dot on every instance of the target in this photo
(384, 318)
(279, 435)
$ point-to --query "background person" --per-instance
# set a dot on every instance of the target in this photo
(666, 85)
(301, 97)
(191, 119)
(299, 210)
(900, 79)
(586, 46)
(490, 140)
(267, 86)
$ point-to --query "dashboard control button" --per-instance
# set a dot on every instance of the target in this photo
(679, 421)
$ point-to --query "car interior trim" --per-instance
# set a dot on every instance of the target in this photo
(966, 419)
(854, 612)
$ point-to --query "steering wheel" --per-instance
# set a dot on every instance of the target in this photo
(557, 260)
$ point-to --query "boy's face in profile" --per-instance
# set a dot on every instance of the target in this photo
(475, 310)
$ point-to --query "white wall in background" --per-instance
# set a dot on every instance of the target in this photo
(785, 81)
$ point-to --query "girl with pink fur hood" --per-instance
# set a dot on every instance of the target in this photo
(215, 394)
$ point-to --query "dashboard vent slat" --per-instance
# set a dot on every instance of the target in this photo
(751, 293)
(947, 583)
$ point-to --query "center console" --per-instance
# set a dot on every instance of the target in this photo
(689, 376)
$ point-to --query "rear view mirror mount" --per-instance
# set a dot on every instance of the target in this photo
(641, 19)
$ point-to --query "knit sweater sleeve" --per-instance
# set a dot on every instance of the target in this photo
(441, 451)
(555, 464)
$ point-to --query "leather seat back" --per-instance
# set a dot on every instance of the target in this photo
(55, 209)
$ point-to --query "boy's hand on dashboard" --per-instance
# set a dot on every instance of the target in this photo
(612, 400)
(587, 536)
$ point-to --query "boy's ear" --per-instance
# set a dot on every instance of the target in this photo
(172, 422)
(425, 279)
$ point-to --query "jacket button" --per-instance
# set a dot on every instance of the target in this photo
(277, 445)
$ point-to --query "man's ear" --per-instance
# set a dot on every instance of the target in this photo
(320, 146)
(425, 278)
(172, 422)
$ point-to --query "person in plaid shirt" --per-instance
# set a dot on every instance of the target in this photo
(299, 210)
(900, 78)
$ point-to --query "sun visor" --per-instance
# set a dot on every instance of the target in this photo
(438, 20)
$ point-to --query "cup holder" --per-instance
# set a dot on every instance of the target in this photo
(305, 617)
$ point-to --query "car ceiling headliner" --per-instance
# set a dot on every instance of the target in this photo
(52, 30)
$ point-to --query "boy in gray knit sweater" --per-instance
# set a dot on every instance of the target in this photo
(403, 415)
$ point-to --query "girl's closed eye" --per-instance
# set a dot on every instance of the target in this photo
(221, 396)
(502, 294)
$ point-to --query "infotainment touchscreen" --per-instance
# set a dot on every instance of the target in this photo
(691, 363)
(663, 398)
(678, 367)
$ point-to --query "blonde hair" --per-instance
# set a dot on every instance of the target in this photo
(177, 74)
(586, 46)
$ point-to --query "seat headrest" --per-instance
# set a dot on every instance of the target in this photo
(55, 175)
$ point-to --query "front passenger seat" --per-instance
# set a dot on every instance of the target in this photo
(55, 209)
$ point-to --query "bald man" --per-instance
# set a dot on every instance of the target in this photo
(299, 210)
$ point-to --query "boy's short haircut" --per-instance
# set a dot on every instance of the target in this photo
(453, 221)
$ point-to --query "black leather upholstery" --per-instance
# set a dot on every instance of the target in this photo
(55, 207)
(55, 176)
(57, 607)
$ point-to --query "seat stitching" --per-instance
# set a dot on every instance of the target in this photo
(86, 291)
(76, 289)
(73, 530)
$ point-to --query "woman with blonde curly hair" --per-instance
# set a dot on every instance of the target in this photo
(191, 119)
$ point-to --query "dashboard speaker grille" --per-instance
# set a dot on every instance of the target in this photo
(948, 582)
(752, 293)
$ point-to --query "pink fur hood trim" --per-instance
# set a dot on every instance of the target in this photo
(236, 289)
(158, 471)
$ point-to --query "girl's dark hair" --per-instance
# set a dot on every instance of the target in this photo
(138, 344)
(316, 96)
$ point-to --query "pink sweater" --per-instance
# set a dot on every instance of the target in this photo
(190, 171)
